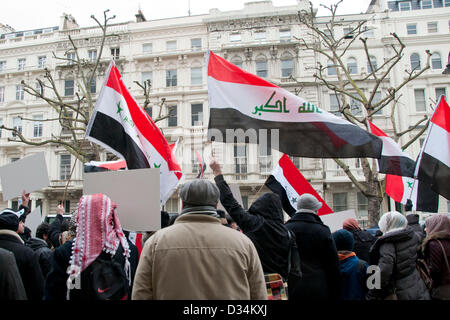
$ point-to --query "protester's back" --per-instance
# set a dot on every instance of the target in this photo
(363, 239)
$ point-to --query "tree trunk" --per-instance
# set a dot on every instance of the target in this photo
(374, 205)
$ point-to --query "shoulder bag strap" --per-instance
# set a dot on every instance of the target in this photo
(289, 253)
(445, 255)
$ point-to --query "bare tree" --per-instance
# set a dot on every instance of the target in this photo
(73, 116)
(349, 87)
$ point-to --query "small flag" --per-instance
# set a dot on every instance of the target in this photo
(287, 181)
(98, 166)
(202, 165)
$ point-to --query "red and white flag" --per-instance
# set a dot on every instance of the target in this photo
(122, 127)
(241, 100)
(287, 181)
(433, 164)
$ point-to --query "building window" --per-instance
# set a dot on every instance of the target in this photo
(334, 105)
(405, 6)
(2, 94)
(149, 111)
(171, 78)
(295, 161)
(70, 56)
(427, 4)
(147, 48)
(17, 125)
(419, 95)
(39, 89)
(235, 37)
(436, 61)
(415, 61)
(411, 28)
(196, 76)
(92, 54)
(285, 35)
(64, 166)
(21, 64)
(432, 27)
(245, 202)
(69, 87)
(66, 205)
(331, 68)
(38, 125)
(240, 161)
(352, 66)
(372, 64)
(363, 205)
(93, 85)
(369, 32)
(237, 62)
(261, 68)
(1, 124)
(172, 120)
(196, 44)
(42, 61)
(259, 35)
(375, 100)
(265, 159)
(339, 201)
(2, 66)
(19, 92)
(197, 114)
(348, 32)
(171, 45)
(171, 205)
(447, 4)
(115, 53)
(355, 107)
(439, 92)
(287, 67)
(146, 76)
(66, 128)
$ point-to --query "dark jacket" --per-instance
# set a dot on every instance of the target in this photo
(363, 242)
(55, 283)
(353, 273)
(264, 225)
(40, 247)
(11, 286)
(434, 257)
(318, 257)
(413, 223)
(395, 254)
(54, 231)
(27, 263)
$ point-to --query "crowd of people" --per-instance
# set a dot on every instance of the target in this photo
(205, 253)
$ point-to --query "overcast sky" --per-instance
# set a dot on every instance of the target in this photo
(34, 14)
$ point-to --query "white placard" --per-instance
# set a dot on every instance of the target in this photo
(335, 220)
(29, 174)
(136, 193)
(33, 220)
(236, 194)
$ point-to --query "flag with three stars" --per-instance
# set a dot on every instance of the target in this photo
(287, 181)
(122, 127)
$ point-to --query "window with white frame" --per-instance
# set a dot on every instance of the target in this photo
(115, 53)
(415, 61)
(363, 205)
(432, 27)
(2, 66)
(147, 75)
(404, 6)
(1, 123)
(285, 35)
(171, 78)
(19, 92)
(447, 4)
(369, 32)
(93, 86)
(348, 32)
(197, 114)
(235, 37)
(240, 161)
(21, 64)
(419, 95)
(261, 68)
(259, 35)
(196, 76)
(331, 68)
(436, 62)
(147, 48)
(171, 45)
(2, 94)
(427, 4)
(439, 92)
(411, 28)
(67, 123)
(355, 107)
(334, 105)
(287, 67)
(92, 55)
(375, 100)
(65, 163)
(173, 119)
(339, 201)
(42, 61)
(69, 87)
(265, 159)
(70, 56)
(39, 89)
(372, 64)
(17, 125)
(38, 125)
(196, 44)
(352, 66)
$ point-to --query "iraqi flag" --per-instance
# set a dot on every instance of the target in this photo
(100, 166)
(241, 100)
(433, 164)
(287, 181)
(393, 160)
(122, 127)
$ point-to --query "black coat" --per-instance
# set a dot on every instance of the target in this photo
(44, 253)
(11, 286)
(413, 223)
(54, 231)
(27, 263)
(264, 225)
(363, 242)
(395, 253)
(318, 257)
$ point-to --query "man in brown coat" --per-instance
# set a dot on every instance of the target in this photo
(197, 258)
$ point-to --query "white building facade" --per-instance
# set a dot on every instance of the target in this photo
(261, 39)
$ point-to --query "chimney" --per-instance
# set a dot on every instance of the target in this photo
(67, 22)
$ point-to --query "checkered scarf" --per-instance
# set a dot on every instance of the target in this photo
(98, 228)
